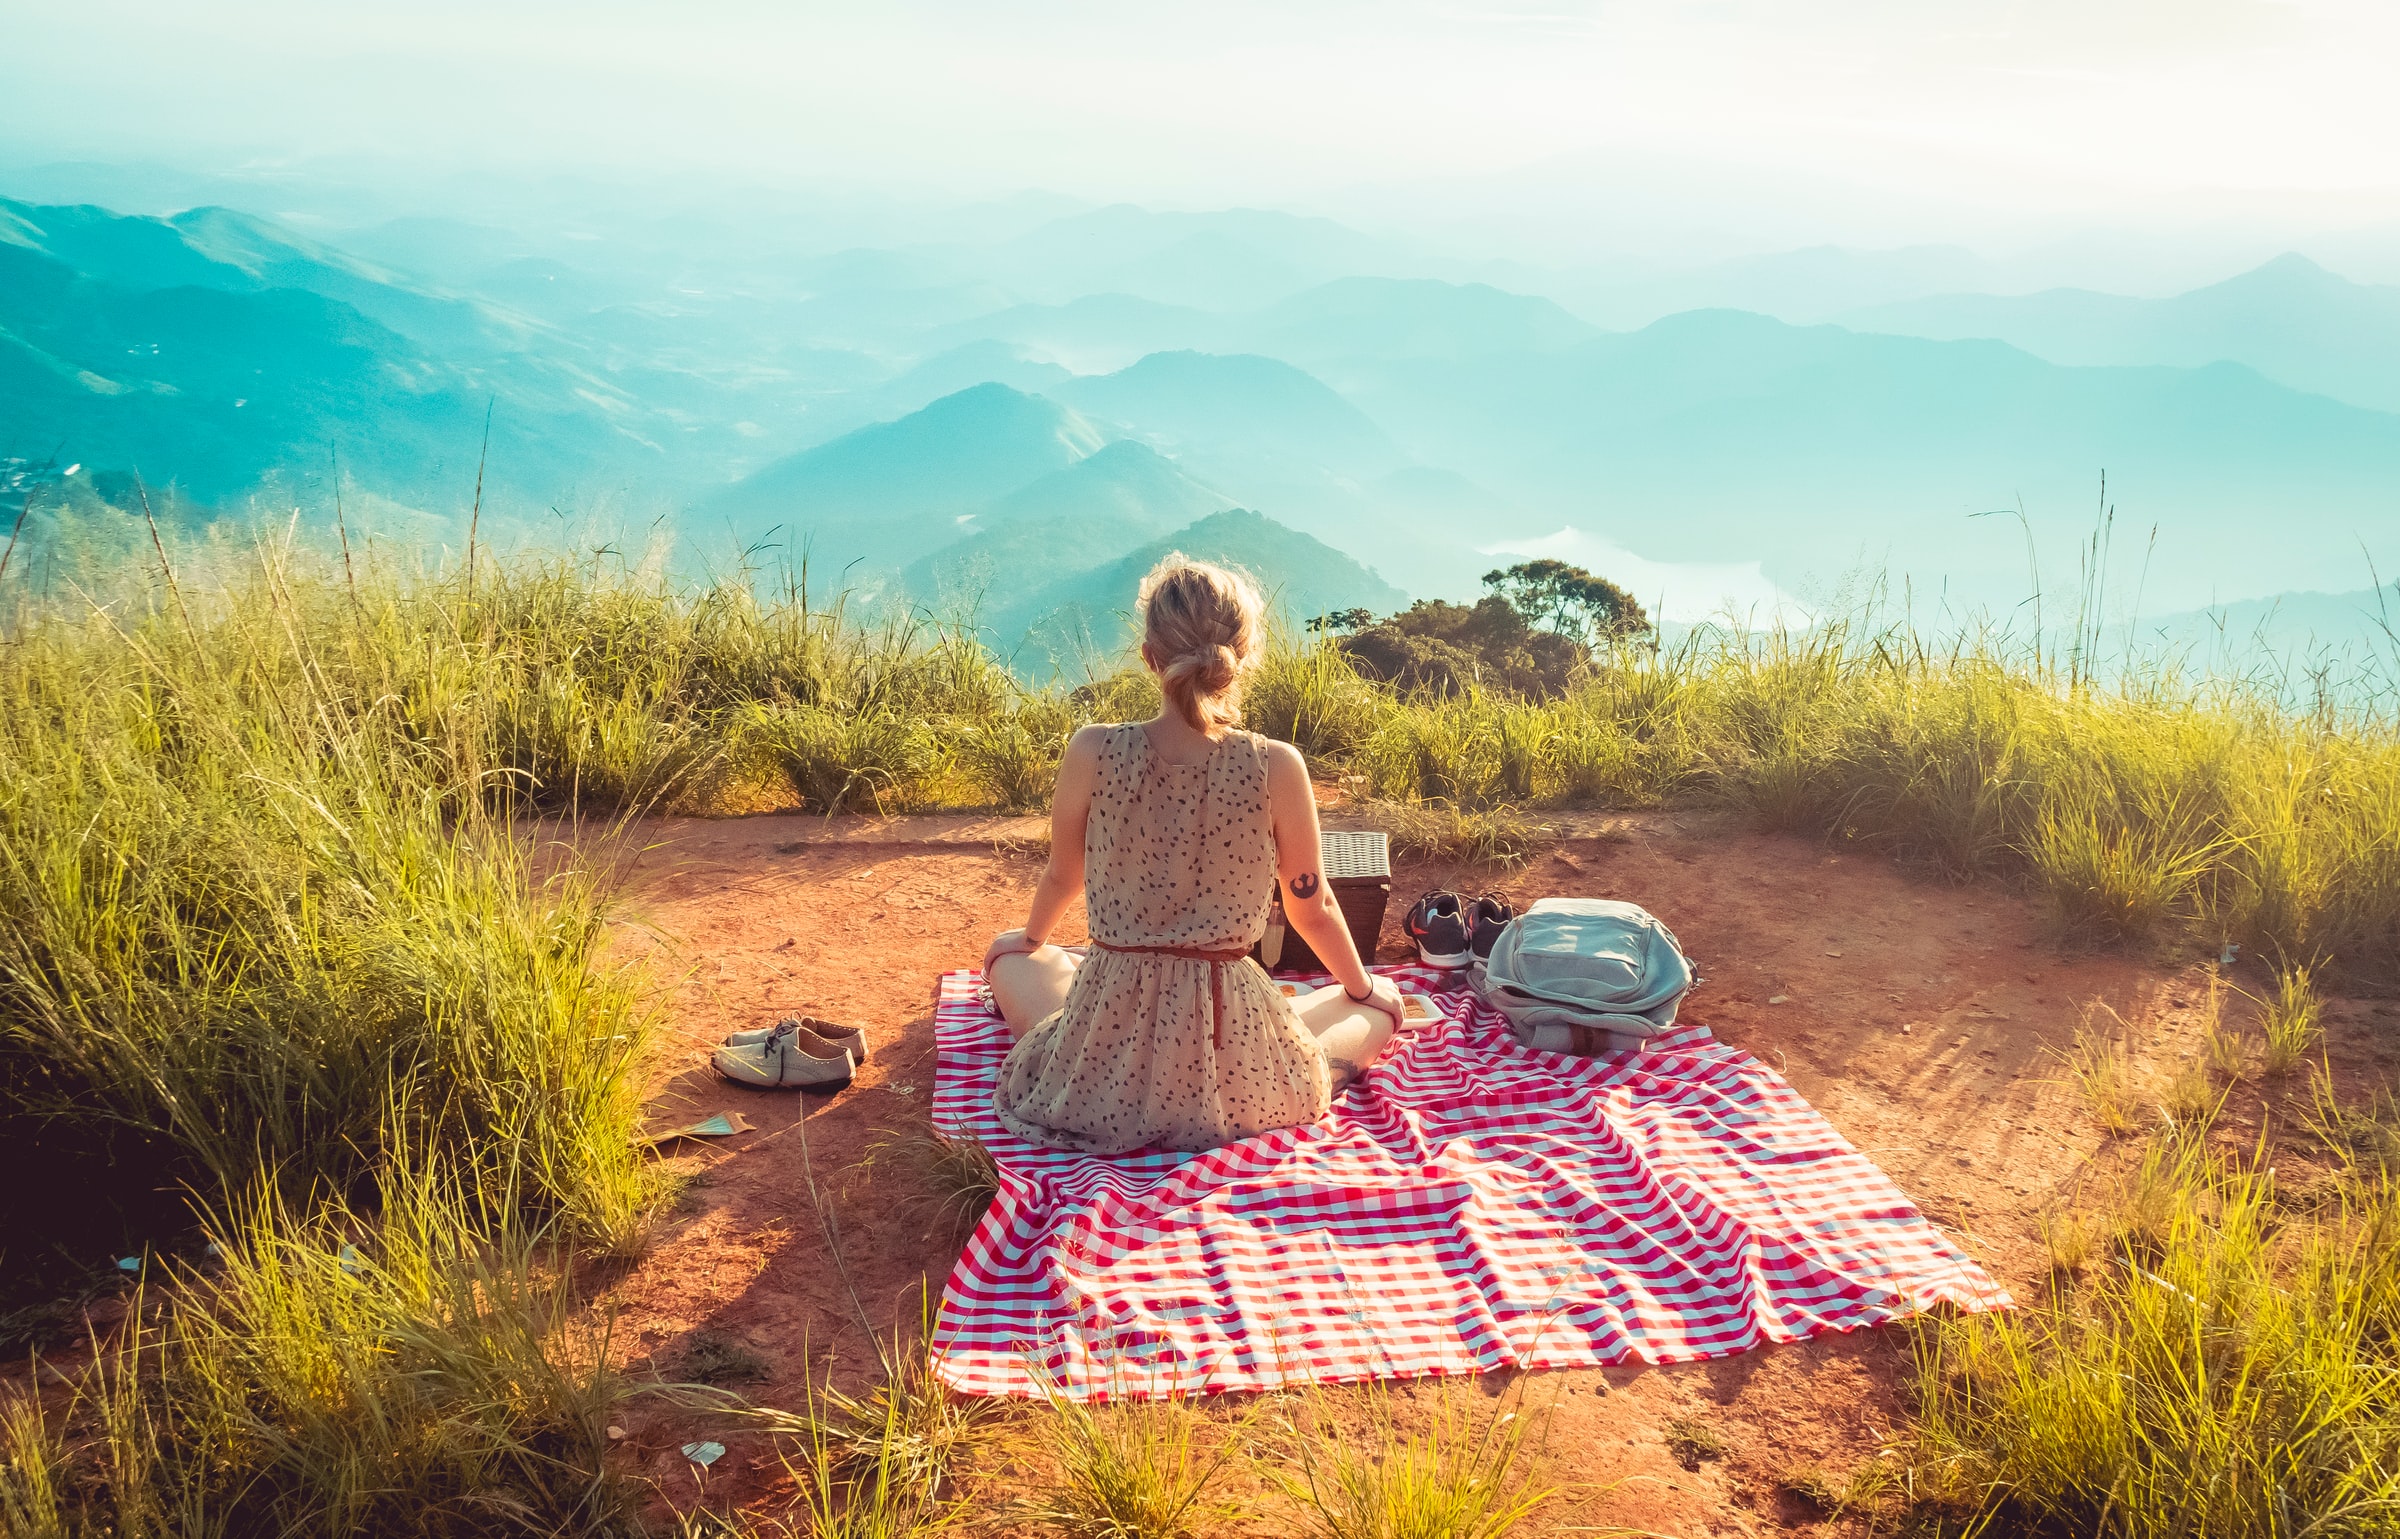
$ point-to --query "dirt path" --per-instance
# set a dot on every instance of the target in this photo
(1919, 1017)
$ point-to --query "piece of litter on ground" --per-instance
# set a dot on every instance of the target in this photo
(2231, 951)
(129, 1263)
(616, 1434)
(1904, 1028)
(1779, 999)
(704, 1454)
(350, 1259)
(1833, 953)
(904, 1090)
(723, 1125)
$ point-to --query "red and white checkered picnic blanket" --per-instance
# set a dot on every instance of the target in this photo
(1467, 1205)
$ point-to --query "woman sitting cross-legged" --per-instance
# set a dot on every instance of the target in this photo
(1178, 828)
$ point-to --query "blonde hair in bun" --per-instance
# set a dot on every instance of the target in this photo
(1200, 627)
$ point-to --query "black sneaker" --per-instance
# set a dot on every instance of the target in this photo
(1486, 917)
(1438, 924)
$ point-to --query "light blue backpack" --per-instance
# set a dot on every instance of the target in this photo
(1586, 975)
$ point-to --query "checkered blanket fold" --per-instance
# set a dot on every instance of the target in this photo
(1467, 1205)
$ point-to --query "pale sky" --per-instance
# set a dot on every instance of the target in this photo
(1914, 118)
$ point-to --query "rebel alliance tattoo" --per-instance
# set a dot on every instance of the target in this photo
(1304, 885)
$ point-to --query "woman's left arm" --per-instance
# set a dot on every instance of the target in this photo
(1062, 878)
(1308, 901)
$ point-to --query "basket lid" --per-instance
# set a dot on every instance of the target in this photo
(1348, 854)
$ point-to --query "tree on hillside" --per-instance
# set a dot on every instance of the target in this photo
(1443, 648)
(1568, 601)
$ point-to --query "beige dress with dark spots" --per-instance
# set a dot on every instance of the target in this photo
(1143, 1055)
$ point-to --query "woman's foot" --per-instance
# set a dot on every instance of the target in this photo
(782, 1060)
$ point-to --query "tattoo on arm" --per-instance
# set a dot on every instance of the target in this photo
(1304, 885)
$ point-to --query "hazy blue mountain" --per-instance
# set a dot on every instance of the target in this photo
(219, 248)
(1257, 406)
(1410, 318)
(974, 363)
(446, 252)
(177, 352)
(1718, 436)
(1210, 270)
(1084, 616)
(885, 495)
(1070, 521)
(213, 349)
(873, 395)
(1815, 283)
(2363, 623)
(2291, 320)
(1095, 332)
(1228, 259)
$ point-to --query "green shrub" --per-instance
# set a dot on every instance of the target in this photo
(2228, 1371)
(1012, 757)
(413, 1372)
(247, 922)
(1309, 696)
(1132, 1470)
(1456, 1474)
(838, 759)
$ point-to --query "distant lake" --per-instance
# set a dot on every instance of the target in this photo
(1675, 593)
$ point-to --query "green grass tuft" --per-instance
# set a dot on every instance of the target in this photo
(418, 1370)
(2226, 1369)
(1455, 1474)
(1133, 1470)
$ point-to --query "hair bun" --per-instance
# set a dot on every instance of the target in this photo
(1200, 631)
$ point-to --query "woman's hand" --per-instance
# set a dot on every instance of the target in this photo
(1383, 994)
(1008, 943)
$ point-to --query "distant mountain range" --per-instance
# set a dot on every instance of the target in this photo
(1061, 525)
(2291, 320)
(1717, 435)
(885, 495)
(1005, 419)
(1084, 619)
(1024, 513)
(211, 350)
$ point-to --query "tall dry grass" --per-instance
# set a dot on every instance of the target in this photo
(419, 1368)
(275, 932)
(2224, 1366)
(2155, 807)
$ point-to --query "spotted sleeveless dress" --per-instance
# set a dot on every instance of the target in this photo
(1163, 1042)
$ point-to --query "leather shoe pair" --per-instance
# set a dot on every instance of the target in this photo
(792, 1055)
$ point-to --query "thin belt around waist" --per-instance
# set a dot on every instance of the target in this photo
(1216, 974)
(1193, 953)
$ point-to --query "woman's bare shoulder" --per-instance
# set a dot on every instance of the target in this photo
(1087, 744)
(1281, 757)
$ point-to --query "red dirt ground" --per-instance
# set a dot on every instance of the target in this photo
(1920, 1017)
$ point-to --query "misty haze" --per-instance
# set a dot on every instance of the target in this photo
(959, 378)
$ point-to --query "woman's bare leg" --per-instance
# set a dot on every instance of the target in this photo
(1351, 1034)
(1028, 985)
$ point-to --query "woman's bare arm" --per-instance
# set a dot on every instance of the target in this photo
(1062, 878)
(1308, 904)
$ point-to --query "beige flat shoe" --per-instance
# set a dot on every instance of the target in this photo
(823, 1038)
(781, 1060)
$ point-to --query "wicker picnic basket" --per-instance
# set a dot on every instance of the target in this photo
(1358, 866)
